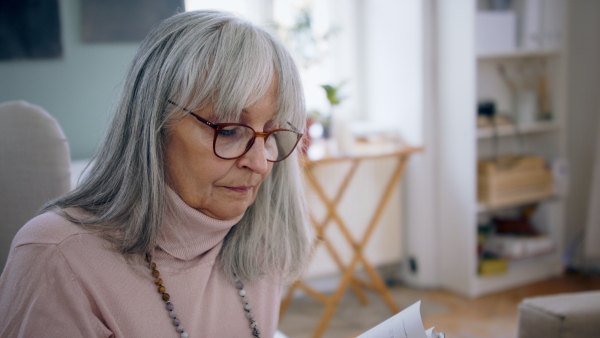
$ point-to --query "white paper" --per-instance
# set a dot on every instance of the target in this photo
(279, 334)
(432, 334)
(405, 324)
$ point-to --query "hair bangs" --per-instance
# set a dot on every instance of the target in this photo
(241, 70)
(292, 113)
(233, 68)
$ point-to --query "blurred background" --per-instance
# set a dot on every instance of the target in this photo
(503, 96)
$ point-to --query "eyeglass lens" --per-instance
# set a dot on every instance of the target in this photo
(233, 141)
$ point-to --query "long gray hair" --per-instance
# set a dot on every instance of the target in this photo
(196, 59)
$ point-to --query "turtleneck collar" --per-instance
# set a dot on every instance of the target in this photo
(187, 233)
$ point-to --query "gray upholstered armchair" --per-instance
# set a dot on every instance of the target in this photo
(567, 315)
(34, 166)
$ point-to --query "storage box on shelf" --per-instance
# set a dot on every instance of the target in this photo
(511, 180)
(496, 31)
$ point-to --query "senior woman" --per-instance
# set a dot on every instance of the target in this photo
(192, 216)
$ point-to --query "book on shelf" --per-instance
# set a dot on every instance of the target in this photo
(405, 324)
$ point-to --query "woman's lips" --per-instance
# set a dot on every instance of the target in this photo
(242, 189)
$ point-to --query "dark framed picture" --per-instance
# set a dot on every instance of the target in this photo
(30, 29)
(124, 20)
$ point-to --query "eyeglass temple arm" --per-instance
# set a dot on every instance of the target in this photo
(294, 128)
(178, 106)
(212, 125)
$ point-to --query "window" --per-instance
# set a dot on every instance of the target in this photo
(373, 47)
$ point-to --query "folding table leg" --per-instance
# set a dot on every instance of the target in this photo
(348, 271)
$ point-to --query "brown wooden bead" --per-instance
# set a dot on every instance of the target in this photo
(153, 266)
(148, 258)
(158, 281)
(162, 289)
(165, 297)
(155, 273)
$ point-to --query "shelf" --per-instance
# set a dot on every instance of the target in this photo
(519, 273)
(518, 54)
(510, 130)
(483, 208)
(496, 77)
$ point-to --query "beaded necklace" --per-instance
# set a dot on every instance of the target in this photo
(171, 308)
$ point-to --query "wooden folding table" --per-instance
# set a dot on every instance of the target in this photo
(349, 278)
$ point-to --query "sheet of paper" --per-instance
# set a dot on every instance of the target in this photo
(405, 324)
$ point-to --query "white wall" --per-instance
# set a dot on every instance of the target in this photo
(78, 89)
(583, 116)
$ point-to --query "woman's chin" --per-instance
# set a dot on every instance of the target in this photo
(224, 215)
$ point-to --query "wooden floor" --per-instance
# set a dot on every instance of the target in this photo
(493, 316)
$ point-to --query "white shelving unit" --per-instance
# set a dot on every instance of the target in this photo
(518, 54)
(524, 129)
(519, 273)
(465, 78)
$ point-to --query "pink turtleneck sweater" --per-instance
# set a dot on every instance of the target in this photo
(63, 281)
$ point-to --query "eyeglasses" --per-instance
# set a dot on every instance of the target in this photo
(233, 140)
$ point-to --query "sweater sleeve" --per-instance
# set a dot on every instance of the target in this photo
(41, 297)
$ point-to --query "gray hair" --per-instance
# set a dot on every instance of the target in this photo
(196, 59)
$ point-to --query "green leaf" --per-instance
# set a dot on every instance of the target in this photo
(332, 93)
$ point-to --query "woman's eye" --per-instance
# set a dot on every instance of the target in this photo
(229, 131)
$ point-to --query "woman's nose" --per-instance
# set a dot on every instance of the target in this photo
(255, 158)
